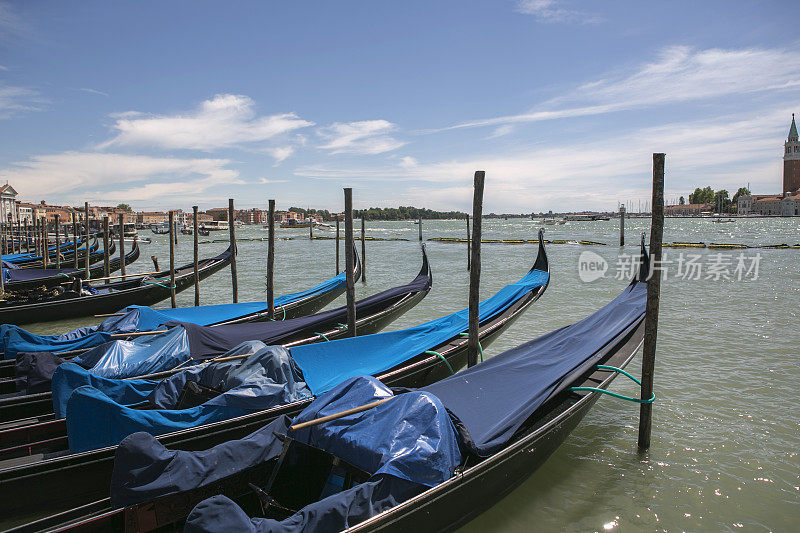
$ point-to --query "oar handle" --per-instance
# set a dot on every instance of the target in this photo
(341, 414)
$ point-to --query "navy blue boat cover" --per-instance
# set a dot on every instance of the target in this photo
(407, 444)
(14, 340)
(29, 274)
(488, 403)
(99, 412)
(493, 399)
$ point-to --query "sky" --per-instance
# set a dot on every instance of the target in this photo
(171, 104)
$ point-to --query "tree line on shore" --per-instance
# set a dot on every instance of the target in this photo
(387, 213)
(720, 199)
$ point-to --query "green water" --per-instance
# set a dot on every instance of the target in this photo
(724, 455)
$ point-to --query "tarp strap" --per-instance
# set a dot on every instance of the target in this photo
(480, 348)
(614, 394)
(431, 352)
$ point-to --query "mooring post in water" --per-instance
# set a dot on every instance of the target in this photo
(473, 341)
(653, 295)
(349, 261)
(2, 280)
(106, 244)
(363, 251)
(46, 245)
(311, 230)
(195, 264)
(419, 222)
(271, 260)
(622, 225)
(19, 233)
(172, 259)
(75, 240)
(337, 245)
(56, 217)
(154, 259)
(86, 233)
(122, 244)
(469, 244)
(232, 229)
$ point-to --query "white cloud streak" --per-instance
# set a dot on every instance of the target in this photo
(553, 11)
(678, 74)
(67, 176)
(365, 137)
(17, 99)
(226, 120)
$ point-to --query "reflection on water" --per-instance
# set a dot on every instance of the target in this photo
(725, 436)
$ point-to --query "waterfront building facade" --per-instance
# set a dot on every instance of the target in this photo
(8, 203)
(688, 210)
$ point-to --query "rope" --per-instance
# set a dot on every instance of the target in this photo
(342, 325)
(614, 394)
(323, 336)
(440, 356)
(480, 348)
(159, 284)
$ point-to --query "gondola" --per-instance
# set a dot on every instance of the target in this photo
(88, 474)
(373, 314)
(26, 279)
(486, 430)
(138, 318)
(29, 257)
(203, 232)
(67, 252)
(107, 298)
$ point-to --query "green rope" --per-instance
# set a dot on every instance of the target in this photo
(323, 336)
(342, 325)
(159, 284)
(614, 394)
(480, 348)
(431, 352)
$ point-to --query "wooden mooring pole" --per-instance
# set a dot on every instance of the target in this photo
(232, 229)
(363, 251)
(172, 259)
(75, 240)
(57, 218)
(349, 261)
(475, 270)
(19, 234)
(653, 295)
(419, 222)
(86, 233)
(106, 244)
(271, 260)
(622, 225)
(45, 245)
(122, 244)
(337, 245)
(196, 260)
(469, 244)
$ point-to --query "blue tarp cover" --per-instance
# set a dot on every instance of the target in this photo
(493, 399)
(140, 318)
(28, 274)
(327, 364)
(97, 418)
(406, 444)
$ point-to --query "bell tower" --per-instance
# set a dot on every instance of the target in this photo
(791, 160)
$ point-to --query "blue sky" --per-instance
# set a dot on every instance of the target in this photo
(169, 104)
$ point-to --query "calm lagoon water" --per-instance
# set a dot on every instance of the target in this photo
(726, 433)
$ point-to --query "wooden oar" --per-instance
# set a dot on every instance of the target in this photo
(136, 334)
(341, 414)
(109, 314)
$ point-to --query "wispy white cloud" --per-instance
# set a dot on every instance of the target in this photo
(363, 137)
(92, 91)
(73, 176)
(2, 67)
(224, 121)
(555, 11)
(720, 152)
(280, 153)
(678, 74)
(271, 181)
(16, 99)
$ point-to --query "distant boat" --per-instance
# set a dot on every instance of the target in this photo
(294, 223)
(721, 221)
(187, 231)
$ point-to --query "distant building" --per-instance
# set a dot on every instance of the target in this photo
(250, 216)
(8, 203)
(791, 161)
(218, 213)
(786, 204)
(285, 216)
(687, 210)
(147, 218)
